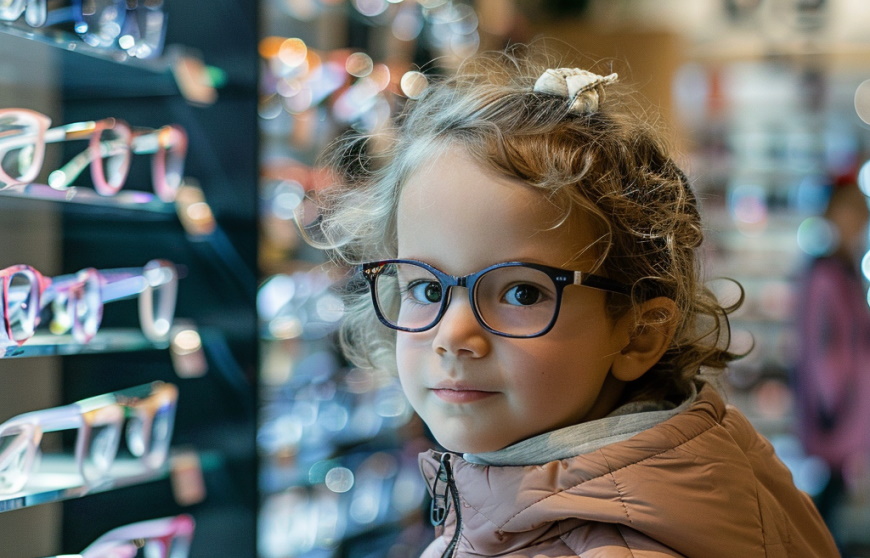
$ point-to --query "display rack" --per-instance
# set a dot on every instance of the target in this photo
(215, 421)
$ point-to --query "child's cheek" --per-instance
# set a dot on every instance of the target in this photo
(410, 352)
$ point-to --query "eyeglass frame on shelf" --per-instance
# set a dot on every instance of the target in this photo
(111, 411)
(78, 300)
(561, 278)
(147, 42)
(167, 145)
(134, 536)
(168, 531)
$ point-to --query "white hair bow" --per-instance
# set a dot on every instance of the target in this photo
(583, 89)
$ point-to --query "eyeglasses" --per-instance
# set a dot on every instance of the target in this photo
(24, 134)
(149, 413)
(511, 299)
(98, 22)
(167, 537)
(138, 27)
(144, 30)
(77, 299)
(10, 10)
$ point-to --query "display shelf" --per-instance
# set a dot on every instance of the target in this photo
(100, 73)
(57, 479)
(53, 71)
(131, 200)
(106, 341)
(72, 43)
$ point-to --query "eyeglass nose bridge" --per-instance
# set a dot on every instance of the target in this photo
(468, 282)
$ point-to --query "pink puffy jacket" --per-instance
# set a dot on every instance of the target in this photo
(702, 484)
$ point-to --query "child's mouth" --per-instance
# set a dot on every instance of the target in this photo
(461, 395)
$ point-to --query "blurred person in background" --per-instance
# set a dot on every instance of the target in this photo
(832, 376)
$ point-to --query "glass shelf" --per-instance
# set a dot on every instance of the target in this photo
(129, 199)
(72, 43)
(57, 478)
(106, 341)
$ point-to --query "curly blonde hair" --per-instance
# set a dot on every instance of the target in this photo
(611, 165)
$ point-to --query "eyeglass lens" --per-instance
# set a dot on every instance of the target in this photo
(17, 451)
(80, 309)
(514, 300)
(173, 166)
(149, 437)
(114, 150)
(22, 305)
(101, 452)
(18, 156)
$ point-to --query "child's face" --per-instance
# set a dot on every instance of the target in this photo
(475, 390)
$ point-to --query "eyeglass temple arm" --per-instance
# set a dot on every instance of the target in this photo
(601, 283)
(67, 417)
(149, 397)
(117, 284)
(123, 283)
(147, 143)
(146, 140)
(63, 177)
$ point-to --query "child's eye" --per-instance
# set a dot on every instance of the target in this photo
(425, 292)
(523, 295)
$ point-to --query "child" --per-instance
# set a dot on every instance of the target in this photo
(530, 249)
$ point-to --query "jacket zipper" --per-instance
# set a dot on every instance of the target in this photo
(441, 503)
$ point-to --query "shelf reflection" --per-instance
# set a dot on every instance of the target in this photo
(130, 199)
(73, 43)
(57, 478)
(108, 340)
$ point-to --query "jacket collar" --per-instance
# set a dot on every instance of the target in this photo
(518, 499)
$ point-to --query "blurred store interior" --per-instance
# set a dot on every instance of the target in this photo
(280, 448)
(768, 103)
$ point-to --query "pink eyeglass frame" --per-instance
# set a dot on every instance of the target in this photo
(167, 531)
(164, 142)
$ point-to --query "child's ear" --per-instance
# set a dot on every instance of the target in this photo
(649, 330)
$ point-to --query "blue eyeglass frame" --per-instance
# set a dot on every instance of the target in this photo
(561, 279)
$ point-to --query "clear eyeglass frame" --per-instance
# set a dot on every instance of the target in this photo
(144, 415)
(77, 300)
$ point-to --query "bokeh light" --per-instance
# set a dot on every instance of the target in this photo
(413, 84)
(370, 8)
(359, 64)
(293, 52)
(816, 236)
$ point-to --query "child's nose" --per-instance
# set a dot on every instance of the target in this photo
(459, 332)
